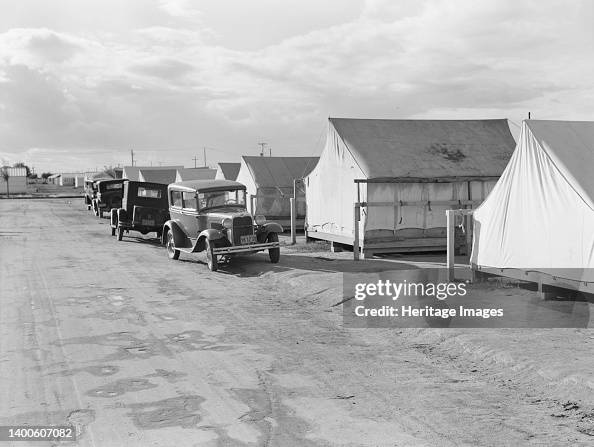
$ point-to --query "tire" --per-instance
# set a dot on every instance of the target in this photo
(88, 207)
(99, 213)
(95, 208)
(172, 253)
(273, 253)
(113, 231)
(211, 258)
(120, 233)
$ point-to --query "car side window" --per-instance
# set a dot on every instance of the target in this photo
(176, 198)
(189, 200)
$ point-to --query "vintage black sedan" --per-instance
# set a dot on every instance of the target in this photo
(144, 209)
(109, 195)
(211, 216)
(90, 188)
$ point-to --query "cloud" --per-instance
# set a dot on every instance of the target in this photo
(38, 47)
(172, 85)
(168, 69)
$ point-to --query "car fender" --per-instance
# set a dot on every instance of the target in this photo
(179, 236)
(211, 234)
(269, 227)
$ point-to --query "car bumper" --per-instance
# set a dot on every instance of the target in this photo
(245, 248)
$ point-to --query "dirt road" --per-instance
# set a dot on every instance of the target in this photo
(137, 350)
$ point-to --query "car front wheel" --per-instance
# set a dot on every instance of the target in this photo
(172, 253)
(120, 233)
(211, 257)
(273, 253)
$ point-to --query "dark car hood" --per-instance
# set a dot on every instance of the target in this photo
(228, 211)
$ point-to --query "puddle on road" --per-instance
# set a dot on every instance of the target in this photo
(196, 341)
(126, 346)
(99, 371)
(180, 411)
(129, 313)
(120, 387)
(170, 376)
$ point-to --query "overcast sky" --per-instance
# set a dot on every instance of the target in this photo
(84, 81)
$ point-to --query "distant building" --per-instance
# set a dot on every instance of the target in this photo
(228, 171)
(132, 172)
(70, 178)
(195, 174)
(17, 182)
(54, 179)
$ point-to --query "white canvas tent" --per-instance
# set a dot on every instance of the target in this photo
(406, 173)
(133, 172)
(269, 182)
(540, 215)
(195, 174)
(163, 176)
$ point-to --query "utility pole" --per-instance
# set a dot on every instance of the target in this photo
(195, 161)
(204, 150)
(528, 115)
(132, 156)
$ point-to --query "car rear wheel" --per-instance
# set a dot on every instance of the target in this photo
(120, 233)
(273, 253)
(113, 231)
(211, 257)
(172, 253)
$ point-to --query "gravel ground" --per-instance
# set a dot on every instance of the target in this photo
(137, 350)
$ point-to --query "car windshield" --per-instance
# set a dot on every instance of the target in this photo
(210, 199)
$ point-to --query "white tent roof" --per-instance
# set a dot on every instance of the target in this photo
(427, 148)
(163, 176)
(278, 172)
(228, 171)
(132, 172)
(195, 174)
(540, 214)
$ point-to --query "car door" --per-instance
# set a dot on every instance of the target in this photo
(190, 214)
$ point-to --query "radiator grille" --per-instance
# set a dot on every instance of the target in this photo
(242, 226)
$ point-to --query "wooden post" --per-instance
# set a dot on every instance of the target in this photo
(451, 243)
(293, 221)
(357, 218)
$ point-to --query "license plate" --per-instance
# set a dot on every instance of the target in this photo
(248, 239)
(148, 222)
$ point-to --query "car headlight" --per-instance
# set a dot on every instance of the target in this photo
(227, 222)
(260, 220)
